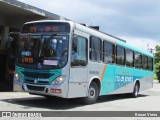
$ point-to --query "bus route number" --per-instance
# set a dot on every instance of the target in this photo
(27, 60)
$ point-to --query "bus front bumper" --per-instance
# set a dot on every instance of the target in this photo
(50, 90)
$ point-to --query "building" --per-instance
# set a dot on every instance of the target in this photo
(14, 13)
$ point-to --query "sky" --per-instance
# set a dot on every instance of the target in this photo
(136, 21)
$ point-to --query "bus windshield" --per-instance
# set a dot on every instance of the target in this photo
(43, 51)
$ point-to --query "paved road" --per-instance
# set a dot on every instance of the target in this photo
(147, 101)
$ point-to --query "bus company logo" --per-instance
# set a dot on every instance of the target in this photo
(35, 81)
(94, 72)
(41, 80)
(6, 114)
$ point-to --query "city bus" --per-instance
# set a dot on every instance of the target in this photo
(69, 60)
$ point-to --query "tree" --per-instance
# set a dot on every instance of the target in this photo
(157, 62)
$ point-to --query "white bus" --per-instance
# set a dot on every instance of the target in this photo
(69, 60)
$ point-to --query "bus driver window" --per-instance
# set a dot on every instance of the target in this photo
(79, 51)
(74, 51)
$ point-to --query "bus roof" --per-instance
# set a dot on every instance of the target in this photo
(39, 21)
(111, 39)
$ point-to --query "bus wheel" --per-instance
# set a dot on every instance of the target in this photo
(135, 91)
(93, 92)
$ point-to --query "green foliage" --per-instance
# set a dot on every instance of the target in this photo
(155, 77)
(157, 54)
(157, 62)
(157, 70)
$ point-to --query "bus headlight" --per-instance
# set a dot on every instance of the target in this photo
(17, 77)
(58, 80)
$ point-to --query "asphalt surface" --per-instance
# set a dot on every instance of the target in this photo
(147, 101)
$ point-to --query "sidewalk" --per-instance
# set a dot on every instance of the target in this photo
(156, 82)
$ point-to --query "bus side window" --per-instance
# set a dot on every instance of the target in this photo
(95, 49)
(150, 63)
(144, 62)
(108, 52)
(138, 60)
(79, 51)
(129, 58)
(120, 55)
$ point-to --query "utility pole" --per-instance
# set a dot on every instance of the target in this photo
(151, 50)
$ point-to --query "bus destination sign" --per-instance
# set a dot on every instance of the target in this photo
(44, 27)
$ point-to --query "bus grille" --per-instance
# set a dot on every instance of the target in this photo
(38, 75)
(35, 88)
(38, 82)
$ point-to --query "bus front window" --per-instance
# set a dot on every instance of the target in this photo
(28, 49)
(43, 52)
(54, 50)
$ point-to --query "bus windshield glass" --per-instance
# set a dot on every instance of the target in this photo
(43, 51)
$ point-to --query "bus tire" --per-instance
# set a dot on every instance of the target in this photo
(135, 90)
(93, 93)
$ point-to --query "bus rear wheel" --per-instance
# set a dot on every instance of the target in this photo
(135, 91)
(93, 93)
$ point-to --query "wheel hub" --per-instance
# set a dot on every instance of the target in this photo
(91, 92)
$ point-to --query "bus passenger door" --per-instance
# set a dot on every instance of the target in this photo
(12, 46)
(79, 62)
